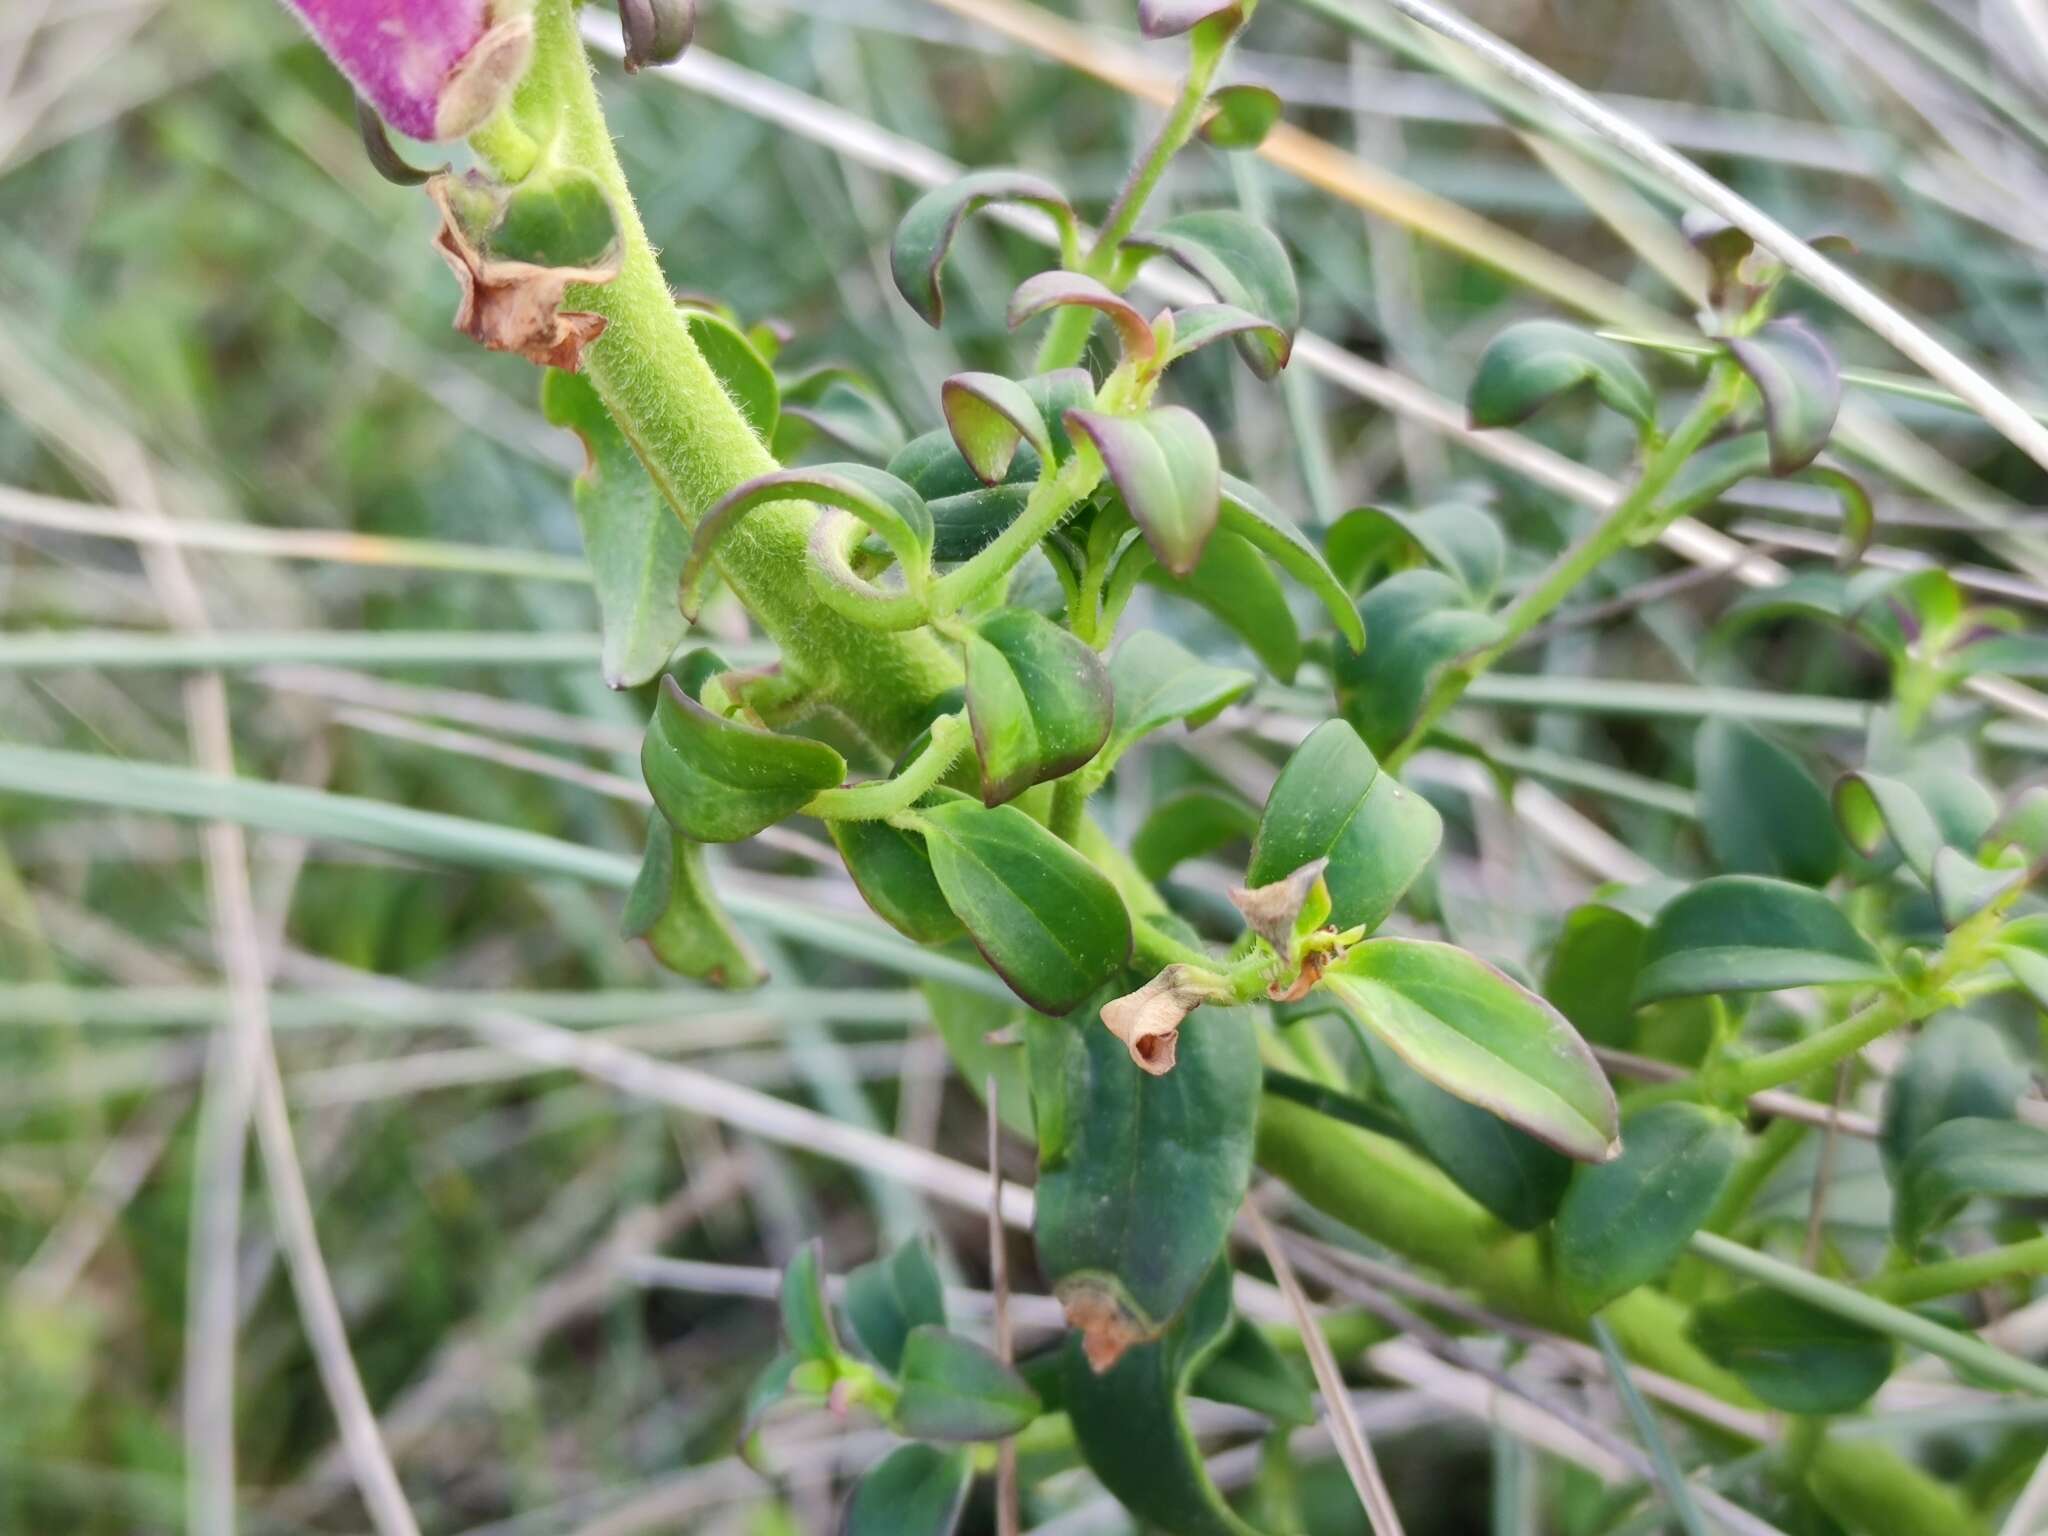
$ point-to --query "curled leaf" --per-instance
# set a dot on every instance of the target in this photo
(1239, 116)
(1148, 1020)
(1170, 18)
(1274, 911)
(383, 157)
(1801, 384)
(925, 234)
(1529, 365)
(1240, 261)
(674, 908)
(510, 303)
(988, 415)
(1164, 463)
(1200, 324)
(1052, 290)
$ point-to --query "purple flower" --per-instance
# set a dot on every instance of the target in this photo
(433, 69)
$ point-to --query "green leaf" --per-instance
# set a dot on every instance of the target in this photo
(1591, 977)
(806, 1319)
(1038, 698)
(1249, 1372)
(560, 217)
(985, 1037)
(1132, 1426)
(1234, 583)
(953, 1389)
(1059, 289)
(1740, 933)
(1706, 477)
(1791, 1354)
(1530, 364)
(1456, 537)
(1240, 261)
(1048, 922)
(1239, 116)
(1139, 1176)
(1958, 1068)
(1477, 1034)
(718, 781)
(845, 410)
(1156, 681)
(893, 873)
(1801, 384)
(1762, 812)
(2023, 950)
(1913, 817)
(888, 1297)
(1163, 463)
(988, 416)
(925, 233)
(673, 907)
(1963, 1160)
(743, 371)
(1420, 622)
(1188, 825)
(1247, 513)
(874, 496)
(1509, 1172)
(1203, 325)
(634, 542)
(916, 1490)
(1170, 18)
(1625, 1223)
(1332, 801)
(771, 1387)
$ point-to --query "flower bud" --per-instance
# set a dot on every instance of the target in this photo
(433, 69)
(656, 31)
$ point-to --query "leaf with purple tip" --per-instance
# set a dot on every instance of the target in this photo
(988, 416)
(1163, 461)
(925, 233)
(1170, 18)
(1053, 290)
(1240, 261)
(1796, 373)
(1201, 324)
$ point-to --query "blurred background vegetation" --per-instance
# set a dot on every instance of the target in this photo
(211, 309)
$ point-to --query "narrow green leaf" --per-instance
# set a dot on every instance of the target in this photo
(1246, 512)
(1240, 261)
(1249, 1372)
(1332, 801)
(1793, 1355)
(1958, 1068)
(888, 1297)
(1762, 812)
(988, 416)
(1963, 1160)
(1530, 364)
(954, 1389)
(1047, 920)
(1188, 825)
(1477, 1034)
(1038, 699)
(673, 907)
(925, 234)
(634, 542)
(718, 781)
(806, 1319)
(1626, 1222)
(740, 368)
(1163, 463)
(1801, 384)
(1239, 116)
(1420, 622)
(916, 1490)
(1157, 681)
(893, 873)
(1740, 933)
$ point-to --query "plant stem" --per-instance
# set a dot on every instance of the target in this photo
(1069, 807)
(1609, 535)
(1050, 501)
(899, 792)
(1969, 1273)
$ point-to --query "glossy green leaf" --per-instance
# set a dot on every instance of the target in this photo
(1203, 325)
(1332, 801)
(888, 1297)
(925, 234)
(874, 496)
(1419, 623)
(1139, 1176)
(1248, 1372)
(1163, 463)
(1240, 261)
(747, 378)
(1456, 537)
(1591, 976)
(696, 667)
(1240, 116)
(1477, 1034)
(1963, 1160)
(1038, 699)
(718, 781)
(954, 1389)
(1530, 364)
(1791, 1354)
(1625, 1223)
(806, 1319)
(1132, 1426)
(1801, 384)
(1741, 933)
(1059, 289)
(1158, 681)
(1188, 825)
(560, 217)
(1234, 583)
(1511, 1173)
(965, 514)
(635, 544)
(988, 416)
(1247, 513)
(916, 1490)
(1761, 811)
(894, 875)
(1047, 920)
(846, 411)
(1958, 1068)
(673, 907)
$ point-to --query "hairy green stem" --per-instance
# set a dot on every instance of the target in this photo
(899, 792)
(1051, 499)
(1604, 539)
(692, 439)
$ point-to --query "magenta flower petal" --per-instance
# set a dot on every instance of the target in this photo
(401, 54)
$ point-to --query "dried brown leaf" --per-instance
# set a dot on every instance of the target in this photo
(1272, 911)
(516, 306)
(1148, 1020)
